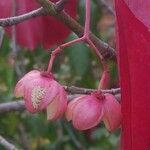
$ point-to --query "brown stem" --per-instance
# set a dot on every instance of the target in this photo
(58, 50)
(59, 6)
(104, 48)
(73, 91)
(6, 144)
(24, 138)
(103, 3)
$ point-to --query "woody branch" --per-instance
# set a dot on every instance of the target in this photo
(73, 91)
(6, 144)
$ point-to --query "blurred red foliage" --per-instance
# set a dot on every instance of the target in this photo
(45, 30)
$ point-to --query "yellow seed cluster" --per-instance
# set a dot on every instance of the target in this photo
(37, 95)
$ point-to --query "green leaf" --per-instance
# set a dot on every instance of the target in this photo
(79, 56)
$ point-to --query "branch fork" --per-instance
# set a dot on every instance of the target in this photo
(85, 38)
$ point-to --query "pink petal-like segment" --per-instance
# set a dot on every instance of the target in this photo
(88, 113)
(45, 30)
(52, 108)
(104, 82)
(112, 113)
(62, 105)
(58, 105)
(51, 92)
(71, 107)
(19, 89)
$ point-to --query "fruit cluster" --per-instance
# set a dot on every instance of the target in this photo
(41, 91)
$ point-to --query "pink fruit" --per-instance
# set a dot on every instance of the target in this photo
(85, 112)
(40, 92)
(112, 113)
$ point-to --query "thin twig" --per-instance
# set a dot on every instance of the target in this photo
(12, 106)
(75, 91)
(13, 42)
(6, 144)
(73, 137)
(78, 90)
(24, 140)
(20, 105)
(19, 68)
(18, 19)
(58, 50)
(1, 36)
(104, 4)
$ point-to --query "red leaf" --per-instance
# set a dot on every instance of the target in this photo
(42, 30)
(133, 20)
(140, 9)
